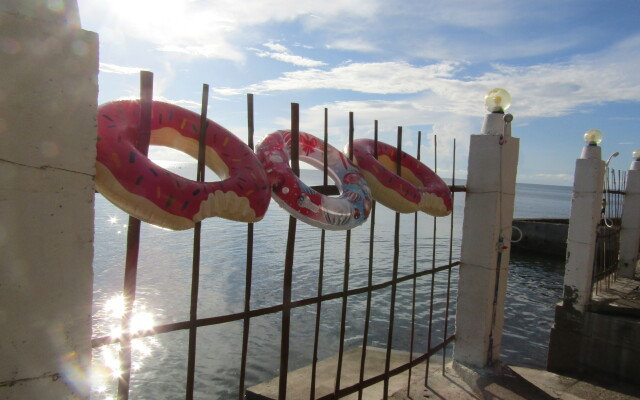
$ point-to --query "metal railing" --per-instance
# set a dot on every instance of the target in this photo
(605, 263)
(423, 266)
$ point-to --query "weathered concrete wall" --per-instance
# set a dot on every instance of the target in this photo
(482, 285)
(583, 342)
(48, 96)
(595, 345)
(585, 216)
(630, 227)
(547, 236)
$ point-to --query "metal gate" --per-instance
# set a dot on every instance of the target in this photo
(422, 272)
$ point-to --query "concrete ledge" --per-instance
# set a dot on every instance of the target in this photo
(547, 236)
(299, 381)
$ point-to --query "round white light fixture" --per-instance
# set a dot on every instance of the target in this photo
(636, 154)
(497, 100)
(593, 137)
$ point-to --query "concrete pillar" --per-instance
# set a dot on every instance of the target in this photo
(567, 339)
(630, 229)
(586, 206)
(48, 99)
(488, 215)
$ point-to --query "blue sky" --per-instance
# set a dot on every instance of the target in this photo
(570, 66)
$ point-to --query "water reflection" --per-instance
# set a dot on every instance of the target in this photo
(164, 281)
(106, 367)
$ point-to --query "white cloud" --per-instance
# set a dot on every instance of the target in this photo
(376, 78)
(277, 47)
(354, 44)
(118, 69)
(209, 29)
(281, 53)
(539, 90)
(293, 59)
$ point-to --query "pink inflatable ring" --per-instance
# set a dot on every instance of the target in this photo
(152, 194)
(417, 189)
(347, 211)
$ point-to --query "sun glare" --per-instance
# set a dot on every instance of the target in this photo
(115, 306)
(106, 364)
(141, 322)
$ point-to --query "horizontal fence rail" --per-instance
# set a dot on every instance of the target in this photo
(288, 304)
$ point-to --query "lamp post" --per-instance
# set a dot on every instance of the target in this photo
(497, 101)
(592, 138)
(635, 164)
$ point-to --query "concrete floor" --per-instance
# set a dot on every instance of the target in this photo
(457, 382)
(511, 383)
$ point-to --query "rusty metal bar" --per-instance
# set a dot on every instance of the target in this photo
(396, 254)
(433, 266)
(248, 269)
(316, 335)
(288, 264)
(195, 267)
(325, 158)
(345, 278)
(332, 190)
(446, 309)
(367, 317)
(133, 240)
(176, 326)
(385, 376)
(415, 270)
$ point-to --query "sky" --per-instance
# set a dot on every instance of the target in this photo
(425, 65)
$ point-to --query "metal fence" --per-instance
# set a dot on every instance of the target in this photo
(605, 263)
(401, 284)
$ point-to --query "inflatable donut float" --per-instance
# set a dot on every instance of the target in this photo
(131, 181)
(347, 211)
(417, 188)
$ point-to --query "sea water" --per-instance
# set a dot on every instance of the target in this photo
(164, 284)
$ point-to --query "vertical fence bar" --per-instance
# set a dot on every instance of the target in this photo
(396, 253)
(288, 264)
(630, 221)
(433, 267)
(367, 317)
(249, 267)
(446, 312)
(133, 240)
(325, 172)
(415, 270)
(345, 281)
(195, 268)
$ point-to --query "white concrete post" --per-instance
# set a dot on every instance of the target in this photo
(630, 228)
(586, 206)
(488, 215)
(48, 96)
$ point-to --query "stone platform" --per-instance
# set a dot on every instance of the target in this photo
(457, 382)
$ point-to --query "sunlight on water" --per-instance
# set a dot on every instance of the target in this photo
(106, 368)
(164, 283)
